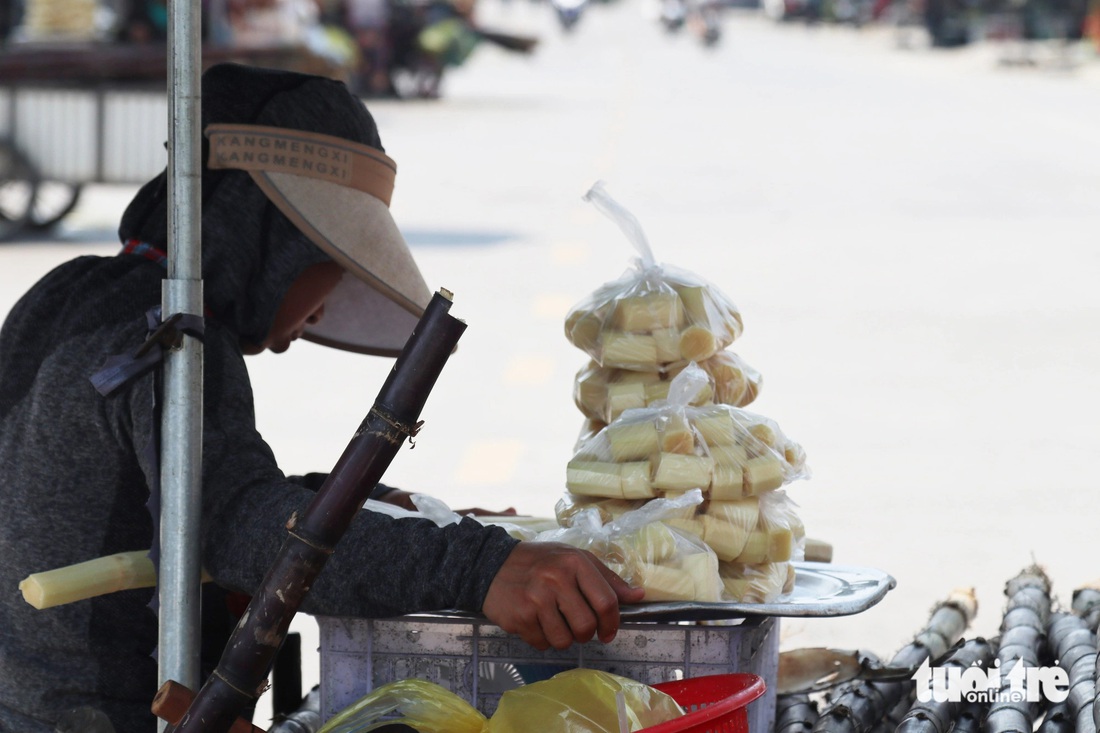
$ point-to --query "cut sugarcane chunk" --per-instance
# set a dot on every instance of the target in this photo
(629, 349)
(667, 341)
(680, 472)
(743, 513)
(648, 312)
(631, 441)
(697, 343)
(728, 455)
(625, 396)
(763, 473)
(635, 480)
(654, 543)
(717, 427)
(727, 540)
(703, 569)
(767, 545)
(663, 583)
(675, 434)
(594, 478)
(692, 527)
(726, 482)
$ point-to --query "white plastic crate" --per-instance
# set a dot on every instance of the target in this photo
(358, 655)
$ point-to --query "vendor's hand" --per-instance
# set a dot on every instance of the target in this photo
(552, 594)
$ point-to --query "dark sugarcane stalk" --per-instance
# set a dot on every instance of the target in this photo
(242, 672)
(937, 716)
(859, 707)
(893, 716)
(795, 713)
(1086, 604)
(1075, 648)
(1057, 719)
(969, 719)
(1023, 636)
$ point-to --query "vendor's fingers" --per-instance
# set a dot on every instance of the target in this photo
(556, 629)
(625, 592)
(601, 600)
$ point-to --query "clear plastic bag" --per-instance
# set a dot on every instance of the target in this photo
(647, 551)
(575, 701)
(726, 452)
(655, 314)
(604, 393)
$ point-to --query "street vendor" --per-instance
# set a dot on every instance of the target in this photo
(297, 242)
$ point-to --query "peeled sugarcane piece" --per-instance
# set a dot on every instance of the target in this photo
(937, 716)
(629, 350)
(654, 544)
(594, 478)
(817, 550)
(590, 391)
(678, 472)
(703, 569)
(706, 306)
(727, 482)
(648, 312)
(735, 382)
(692, 527)
(664, 583)
(795, 455)
(676, 435)
(760, 583)
(727, 455)
(631, 441)
(727, 540)
(717, 426)
(772, 540)
(774, 544)
(858, 707)
(583, 328)
(623, 396)
(686, 512)
(667, 341)
(1075, 649)
(698, 343)
(795, 713)
(589, 430)
(741, 513)
(1022, 635)
(763, 473)
(635, 480)
(103, 575)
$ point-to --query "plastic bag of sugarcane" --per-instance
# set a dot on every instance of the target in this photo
(654, 315)
(727, 452)
(671, 565)
(603, 393)
(754, 539)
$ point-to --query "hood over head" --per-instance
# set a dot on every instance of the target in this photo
(293, 174)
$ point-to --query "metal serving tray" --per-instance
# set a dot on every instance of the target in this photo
(820, 590)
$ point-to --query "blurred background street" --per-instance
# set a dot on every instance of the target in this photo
(910, 233)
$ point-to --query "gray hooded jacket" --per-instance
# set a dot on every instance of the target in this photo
(75, 478)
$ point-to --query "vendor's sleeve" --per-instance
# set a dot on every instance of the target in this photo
(382, 566)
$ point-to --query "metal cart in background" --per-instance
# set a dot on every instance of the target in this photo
(93, 114)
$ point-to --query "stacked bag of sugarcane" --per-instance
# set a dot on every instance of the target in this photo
(1039, 673)
(667, 435)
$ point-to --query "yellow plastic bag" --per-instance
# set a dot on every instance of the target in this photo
(576, 701)
(582, 701)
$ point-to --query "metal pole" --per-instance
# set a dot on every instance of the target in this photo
(181, 421)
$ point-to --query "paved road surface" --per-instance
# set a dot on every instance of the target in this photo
(910, 237)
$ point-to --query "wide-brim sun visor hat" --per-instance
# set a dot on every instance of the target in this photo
(337, 192)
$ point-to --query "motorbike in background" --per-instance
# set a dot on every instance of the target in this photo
(568, 12)
(701, 17)
(426, 38)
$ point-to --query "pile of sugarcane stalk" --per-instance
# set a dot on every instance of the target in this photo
(1038, 674)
